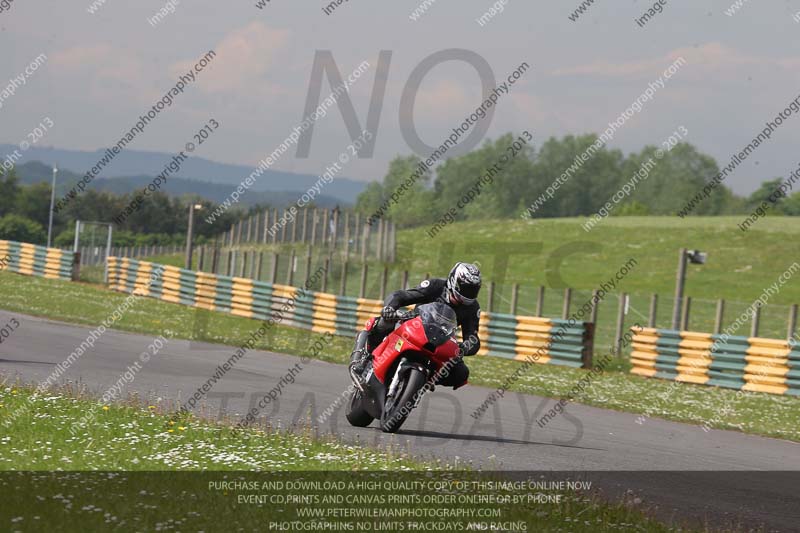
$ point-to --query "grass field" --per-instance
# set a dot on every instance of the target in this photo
(558, 253)
(129, 438)
(757, 413)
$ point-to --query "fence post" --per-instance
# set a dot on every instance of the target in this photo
(595, 306)
(347, 233)
(314, 227)
(720, 314)
(294, 229)
(685, 314)
(243, 268)
(274, 222)
(76, 266)
(232, 264)
(308, 269)
(266, 226)
(405, 279)
(290, 273)
(356, 233)
(305, 225)
(756, 321)
(253, 261)
(214, 260)
(540, 301)
(273, 274)
(283, 227)
(325, 277)
(335, 234)
(363, 288)
(381, 236)
(651, 320)
(567, 302)
(201, 255)
(343, 282)
(324, 227)
(365, 242)
(384, 280)
(260, 265)
(792, 322)
(489, 297)
(623, 298)
(249, 228)
(514, 296)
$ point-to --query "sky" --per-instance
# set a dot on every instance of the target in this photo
(104, 69)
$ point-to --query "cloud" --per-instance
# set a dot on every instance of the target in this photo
(244, 59)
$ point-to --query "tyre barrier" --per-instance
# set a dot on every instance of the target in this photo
(751, 364)
(33, 260)
(551, 341)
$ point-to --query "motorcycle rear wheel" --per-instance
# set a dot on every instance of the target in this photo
(394, 413)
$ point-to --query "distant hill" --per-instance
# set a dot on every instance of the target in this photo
(36, 172)
(140, 163)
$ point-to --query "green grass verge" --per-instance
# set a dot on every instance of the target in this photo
(757, 413)
(129, 438)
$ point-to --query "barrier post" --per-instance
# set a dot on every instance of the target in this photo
(587, 352)
(290, 273)
(595, 306)
(685, 314)
(273, 273)
(756, 321)
(514, 296)
(651, 320)
(489, 296)
(260, 264)
(718, 318)
(305, 225)
(540, 301)
(343, 282)
(567, 302)
(76, 266)
(792, 322)
(620, 324)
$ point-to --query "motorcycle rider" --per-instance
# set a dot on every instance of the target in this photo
(460, 291)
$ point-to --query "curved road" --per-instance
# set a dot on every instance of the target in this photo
(680, 470)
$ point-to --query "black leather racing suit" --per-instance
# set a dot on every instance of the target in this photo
(468, 316)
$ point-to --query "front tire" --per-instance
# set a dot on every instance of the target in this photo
(398, 408)
(355, 413)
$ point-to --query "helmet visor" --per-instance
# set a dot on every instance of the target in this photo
(468, 291)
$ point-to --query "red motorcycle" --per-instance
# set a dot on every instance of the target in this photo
(404, 366)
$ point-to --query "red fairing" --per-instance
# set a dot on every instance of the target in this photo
(370, 323)
(409, 337)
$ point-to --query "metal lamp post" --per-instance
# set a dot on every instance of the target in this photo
(190, 234)
(52, 205)
(696, 257)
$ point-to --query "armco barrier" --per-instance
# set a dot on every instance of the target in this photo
(33, 260)
(513, 337)
(745, 363)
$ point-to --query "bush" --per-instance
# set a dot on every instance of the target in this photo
(18, 228)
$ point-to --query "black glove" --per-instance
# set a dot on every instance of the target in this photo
(462, 349)
(389, 313)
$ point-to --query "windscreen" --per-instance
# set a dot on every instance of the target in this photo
(439, 321)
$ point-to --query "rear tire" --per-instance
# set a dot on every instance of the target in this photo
(394, 413)
(355, 413)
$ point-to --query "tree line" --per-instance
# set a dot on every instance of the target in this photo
(672, 181)
(160, 220)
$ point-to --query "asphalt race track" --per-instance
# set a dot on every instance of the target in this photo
(597, 443)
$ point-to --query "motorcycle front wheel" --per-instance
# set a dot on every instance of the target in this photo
(355, 413)
(399, 406)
